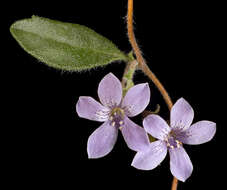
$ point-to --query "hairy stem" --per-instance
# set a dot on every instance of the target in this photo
(174, 183)
(127, 79)
(131, 34)
(148, 112)
(142, 64)
(159, 85)
(144, 67)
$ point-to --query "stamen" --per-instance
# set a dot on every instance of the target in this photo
(172, 142)
(121, 122)
(116, 117)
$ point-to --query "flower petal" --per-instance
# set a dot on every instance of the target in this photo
(198, 133)
(89, 108)
(152, 157)
(181, 115)
(136, 99)
(180, 163)
(102, 141)
(110, 91)
(156, 126)
(135, 136)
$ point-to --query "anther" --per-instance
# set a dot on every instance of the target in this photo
(113, 123)
(178, 143)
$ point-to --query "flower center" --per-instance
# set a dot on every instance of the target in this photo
(172, 142)
(117, 117)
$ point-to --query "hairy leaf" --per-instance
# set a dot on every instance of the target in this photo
(65, 46)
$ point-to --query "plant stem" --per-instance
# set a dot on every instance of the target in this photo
(174, 183)
(144, 67)
(147, 112)
(131, 34)
(142, 64)
(127, 80)
(159, 85)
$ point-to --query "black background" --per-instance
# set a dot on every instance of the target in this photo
(45, 142)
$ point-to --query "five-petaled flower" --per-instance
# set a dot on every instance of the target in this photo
(171, 138)
(114, 112)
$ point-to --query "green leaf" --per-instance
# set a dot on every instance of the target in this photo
(64, 45)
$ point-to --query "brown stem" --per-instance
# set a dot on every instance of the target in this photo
(131, 34)
(140, 59)
(143, 66)
(174, 183)
(159, 85)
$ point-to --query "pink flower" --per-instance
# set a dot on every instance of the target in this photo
(171, 138)
(114, 111)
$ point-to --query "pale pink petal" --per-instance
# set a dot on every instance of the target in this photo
(135, 136)
(181, 115)
(136, 99)
(198, 133)
(156, 126)
(110, 91)
(152, 157)
(102, 141)
(180, 163)
(89, 108)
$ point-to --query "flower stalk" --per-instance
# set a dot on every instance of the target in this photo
(127, 79)
(142, 64)
(174, 184)
(148, 112)
(144, 67)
